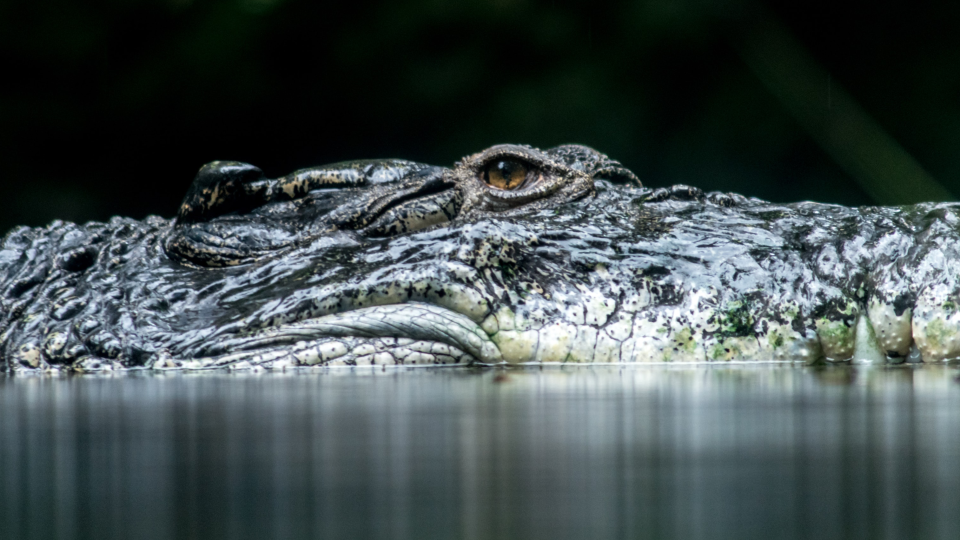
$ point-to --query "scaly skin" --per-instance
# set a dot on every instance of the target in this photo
(392, 262)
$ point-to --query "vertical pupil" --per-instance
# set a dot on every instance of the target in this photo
(507, 169)
(506, 174)
(510, 173)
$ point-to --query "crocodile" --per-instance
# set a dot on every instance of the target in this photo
(512, 255)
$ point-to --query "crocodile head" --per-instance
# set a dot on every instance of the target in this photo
(512, 255)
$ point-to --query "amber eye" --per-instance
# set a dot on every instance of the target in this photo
(505, 174)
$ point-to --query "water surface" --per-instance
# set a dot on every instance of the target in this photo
(653, 452)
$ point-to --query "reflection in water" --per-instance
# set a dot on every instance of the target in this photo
(592, 452)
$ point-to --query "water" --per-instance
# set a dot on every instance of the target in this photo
(597, 452)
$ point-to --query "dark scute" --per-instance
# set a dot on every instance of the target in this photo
(33, 277)
(68, 309)
(228, 179)
(655, 271)
(904, 301)
(136, 356)
(79, 259)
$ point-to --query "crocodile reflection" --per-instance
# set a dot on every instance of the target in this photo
(512, 255)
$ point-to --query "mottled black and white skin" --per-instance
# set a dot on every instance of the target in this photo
(513, 255)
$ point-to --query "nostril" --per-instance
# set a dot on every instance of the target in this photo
(217, 190)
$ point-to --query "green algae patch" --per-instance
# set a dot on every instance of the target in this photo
(776, 339)
(939, 333)
(837, 338)
(684, 341)
(835, 331)
(736, 320)
(726, 350)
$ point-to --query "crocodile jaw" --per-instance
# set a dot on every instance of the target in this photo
(393, 334)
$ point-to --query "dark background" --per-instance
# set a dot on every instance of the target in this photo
(110, 107)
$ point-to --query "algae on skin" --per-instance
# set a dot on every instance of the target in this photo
(737, 320)
(938, 332)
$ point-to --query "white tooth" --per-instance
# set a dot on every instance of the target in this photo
(866, 350)
(894, 332)
(936, 324)
(836, 338)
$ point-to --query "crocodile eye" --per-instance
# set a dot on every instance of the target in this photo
(507, 174)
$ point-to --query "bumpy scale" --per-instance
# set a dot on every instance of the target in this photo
(513, 255)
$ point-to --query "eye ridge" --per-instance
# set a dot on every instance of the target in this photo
(508, 174)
